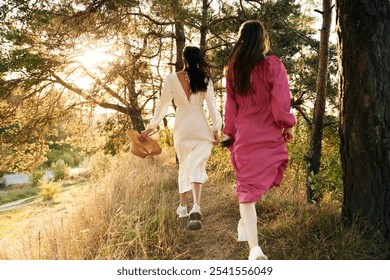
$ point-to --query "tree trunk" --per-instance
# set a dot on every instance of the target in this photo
(204, 26)
(134, 111)
(363, 28)
(180, 37)
(180, 44)
(314, 154)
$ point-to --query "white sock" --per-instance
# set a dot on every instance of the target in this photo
(249, 220)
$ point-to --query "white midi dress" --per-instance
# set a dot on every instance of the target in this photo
(192, 136)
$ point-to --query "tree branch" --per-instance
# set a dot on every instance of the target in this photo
(115, 107)
(243, 10)
(299, 109)
(220, 19)
(151, 19)
(105, 86)
(67, 85)
(152, 96)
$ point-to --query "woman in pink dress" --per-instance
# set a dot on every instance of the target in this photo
(258, 122)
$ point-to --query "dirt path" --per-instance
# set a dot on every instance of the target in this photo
(217, 240)
(18, 221)
(17, 204)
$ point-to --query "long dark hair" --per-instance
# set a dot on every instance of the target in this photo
(197, 68)
(250, 49)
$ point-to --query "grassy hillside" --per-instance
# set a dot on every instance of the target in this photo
(127, 211)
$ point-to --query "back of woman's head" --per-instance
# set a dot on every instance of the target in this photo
(250, 49)
(197, 68)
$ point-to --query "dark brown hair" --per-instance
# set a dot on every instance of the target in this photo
(250, 49)
(197, 68)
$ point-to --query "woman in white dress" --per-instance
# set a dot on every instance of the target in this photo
(192, 136)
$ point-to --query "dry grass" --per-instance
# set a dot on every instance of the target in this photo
(130, 214)
(125, 215)
(291, 228)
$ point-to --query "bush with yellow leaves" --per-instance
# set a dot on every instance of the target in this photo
(49, 189)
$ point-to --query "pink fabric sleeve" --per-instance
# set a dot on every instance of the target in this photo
(280, 93)
(230, 111)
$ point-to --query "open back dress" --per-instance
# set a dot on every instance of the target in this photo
(192, 136)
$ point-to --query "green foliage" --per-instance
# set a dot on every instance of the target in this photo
(329, 181)
(113, 129)
(71, 156)
(297, 151)
(219, 166)
(97, 165)
(60, 147)
(165, 137)
(46, 49)
(2, 183)
(36, 176)
(60, 170)
(49, 189)
(313, 232)
(23, 59)
(22, 146)
(16, 192)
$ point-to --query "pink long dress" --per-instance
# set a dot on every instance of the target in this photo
(259, 154)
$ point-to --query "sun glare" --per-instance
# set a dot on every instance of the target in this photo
(95, 57)
(94, 60)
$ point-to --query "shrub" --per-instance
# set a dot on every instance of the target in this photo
(71, 156)
(36, 176)
(2, 183)
(49, 189)
(60, 170)
(97, 165)
(328, 183)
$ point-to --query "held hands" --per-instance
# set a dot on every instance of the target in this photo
(288, 133)
(227, 141)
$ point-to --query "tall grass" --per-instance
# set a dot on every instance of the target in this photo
(291, 228)
(127, 211)
(16, 192)
(127, 214)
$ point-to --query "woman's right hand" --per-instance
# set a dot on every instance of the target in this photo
(288, 133)
(145, 134)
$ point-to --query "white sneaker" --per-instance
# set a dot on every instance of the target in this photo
(195, 218)
(257, 254)
(182, 211)
(195, 209)
(241, 236)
